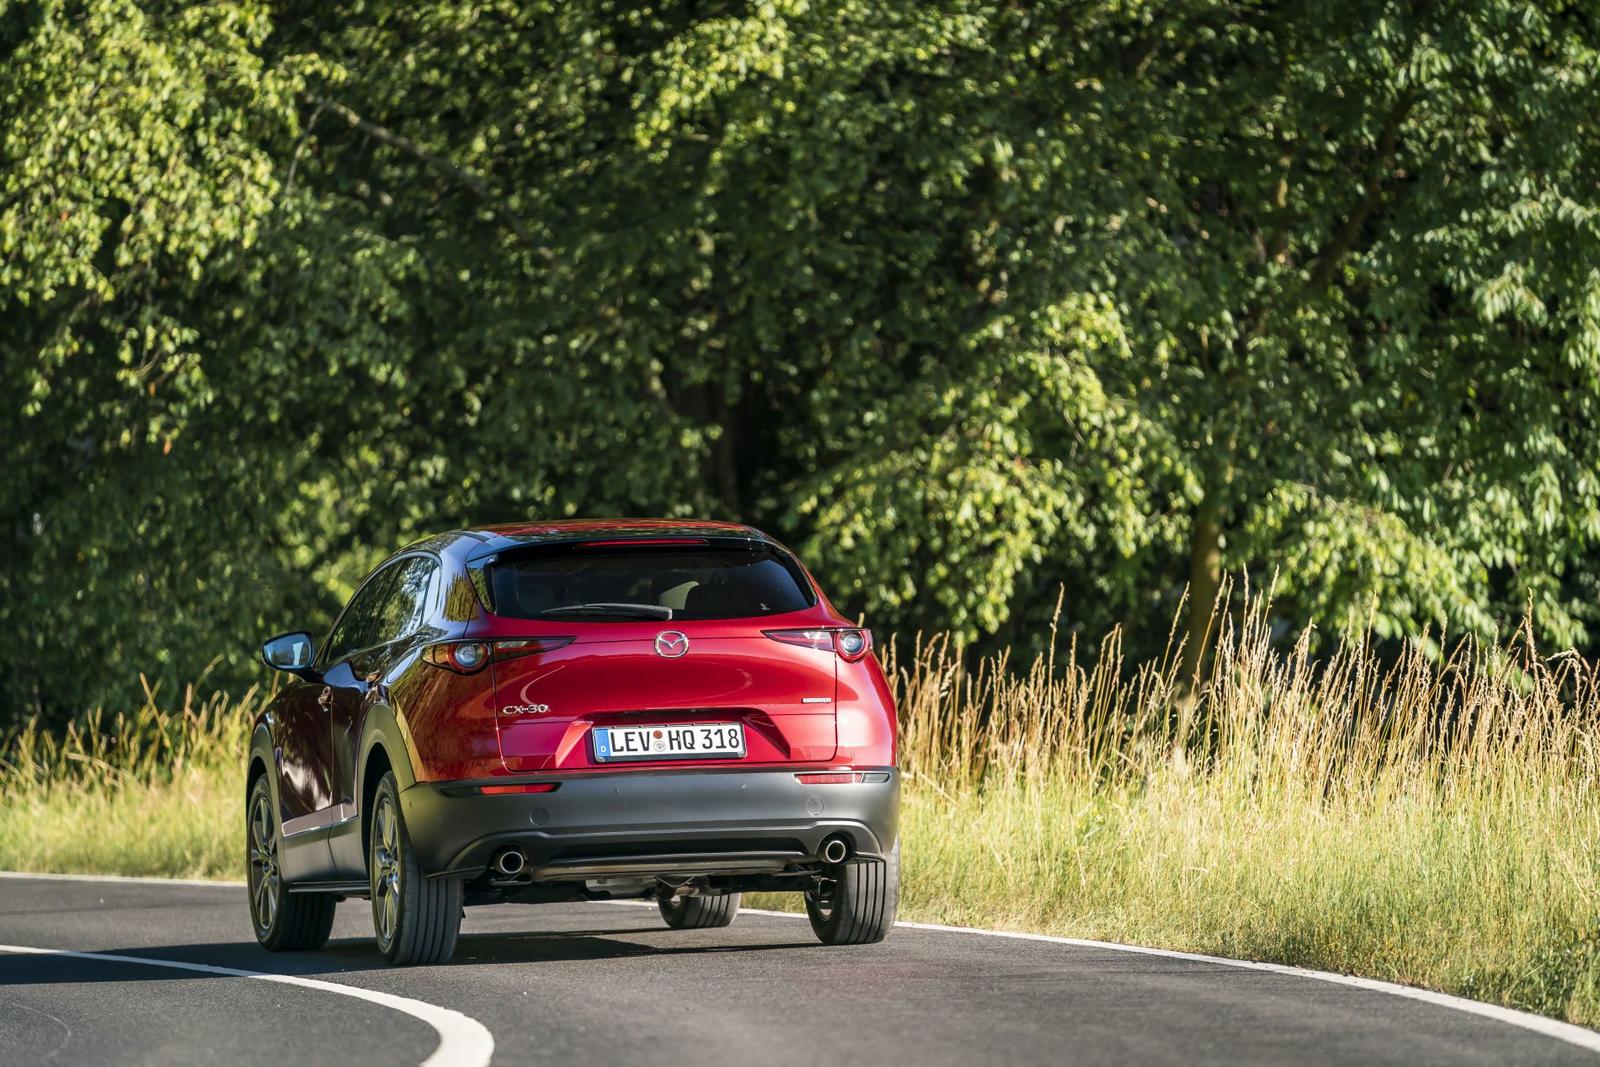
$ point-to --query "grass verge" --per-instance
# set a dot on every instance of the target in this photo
(155, 792)
(1431, 820)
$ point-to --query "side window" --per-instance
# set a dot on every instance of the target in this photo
(407, 600)
(359, 624)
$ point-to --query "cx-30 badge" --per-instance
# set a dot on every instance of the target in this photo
(671, 643)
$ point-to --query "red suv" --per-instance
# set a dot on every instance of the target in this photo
(575, 711)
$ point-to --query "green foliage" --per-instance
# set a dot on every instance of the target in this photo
(974, 302)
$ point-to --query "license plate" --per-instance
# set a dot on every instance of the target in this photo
(697, 740)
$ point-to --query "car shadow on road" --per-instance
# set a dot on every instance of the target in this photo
(356, 955)
(577, 946)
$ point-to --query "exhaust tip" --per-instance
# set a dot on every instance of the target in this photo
(510, 862)
(834, 850)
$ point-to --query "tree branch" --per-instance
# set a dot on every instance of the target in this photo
(1332, 256)
(435, 162)
(1330, 259)
(300, 147)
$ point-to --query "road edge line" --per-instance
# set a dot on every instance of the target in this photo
(1570, 1033)
(203, 883)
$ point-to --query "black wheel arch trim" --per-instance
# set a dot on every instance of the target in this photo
(383, 729)
(263, 751)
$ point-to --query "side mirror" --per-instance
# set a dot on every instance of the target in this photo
(290, 652)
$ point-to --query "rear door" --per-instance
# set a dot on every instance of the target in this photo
(343, 681)
(398, 616)
(398, 613)
(659, 636)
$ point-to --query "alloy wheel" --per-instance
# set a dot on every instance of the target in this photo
(266, 880)
(385, 867)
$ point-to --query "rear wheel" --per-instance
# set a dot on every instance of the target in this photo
(854, 902)
(699, 913)
(416, 918)
(283, 921)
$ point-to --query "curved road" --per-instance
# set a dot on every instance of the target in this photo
(610, 984)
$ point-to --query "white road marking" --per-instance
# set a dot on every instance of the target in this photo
(1553, 1028)
(1571, 1034)
(463, 1040)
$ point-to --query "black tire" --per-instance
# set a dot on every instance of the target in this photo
(699, 913)
(856, 904)
(283, 921)
(416, 918)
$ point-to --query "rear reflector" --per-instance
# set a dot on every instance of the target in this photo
(525, 787)
(829, 777)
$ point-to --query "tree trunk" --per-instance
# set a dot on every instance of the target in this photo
(705, 404)
(724, 458)
(1205, 579)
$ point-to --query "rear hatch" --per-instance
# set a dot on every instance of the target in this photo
(647, 654)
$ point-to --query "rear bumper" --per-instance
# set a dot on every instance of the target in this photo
(640, 818)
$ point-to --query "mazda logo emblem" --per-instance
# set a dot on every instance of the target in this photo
(671, 643)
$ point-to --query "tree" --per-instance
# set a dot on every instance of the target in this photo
(1350, 252)
(134, 179)
(976, 303)
(1344, 223)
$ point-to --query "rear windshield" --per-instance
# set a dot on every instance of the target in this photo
(628, 584)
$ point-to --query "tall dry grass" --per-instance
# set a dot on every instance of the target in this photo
(157, 791)
(1427, 818)
(1348, 724)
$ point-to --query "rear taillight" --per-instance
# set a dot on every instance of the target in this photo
(470, 657)
(851, 644)
(463, 657)
(527, 646)
(820, 639)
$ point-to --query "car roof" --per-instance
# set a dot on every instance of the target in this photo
(502, 536)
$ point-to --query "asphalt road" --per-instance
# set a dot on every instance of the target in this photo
(604, 983)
